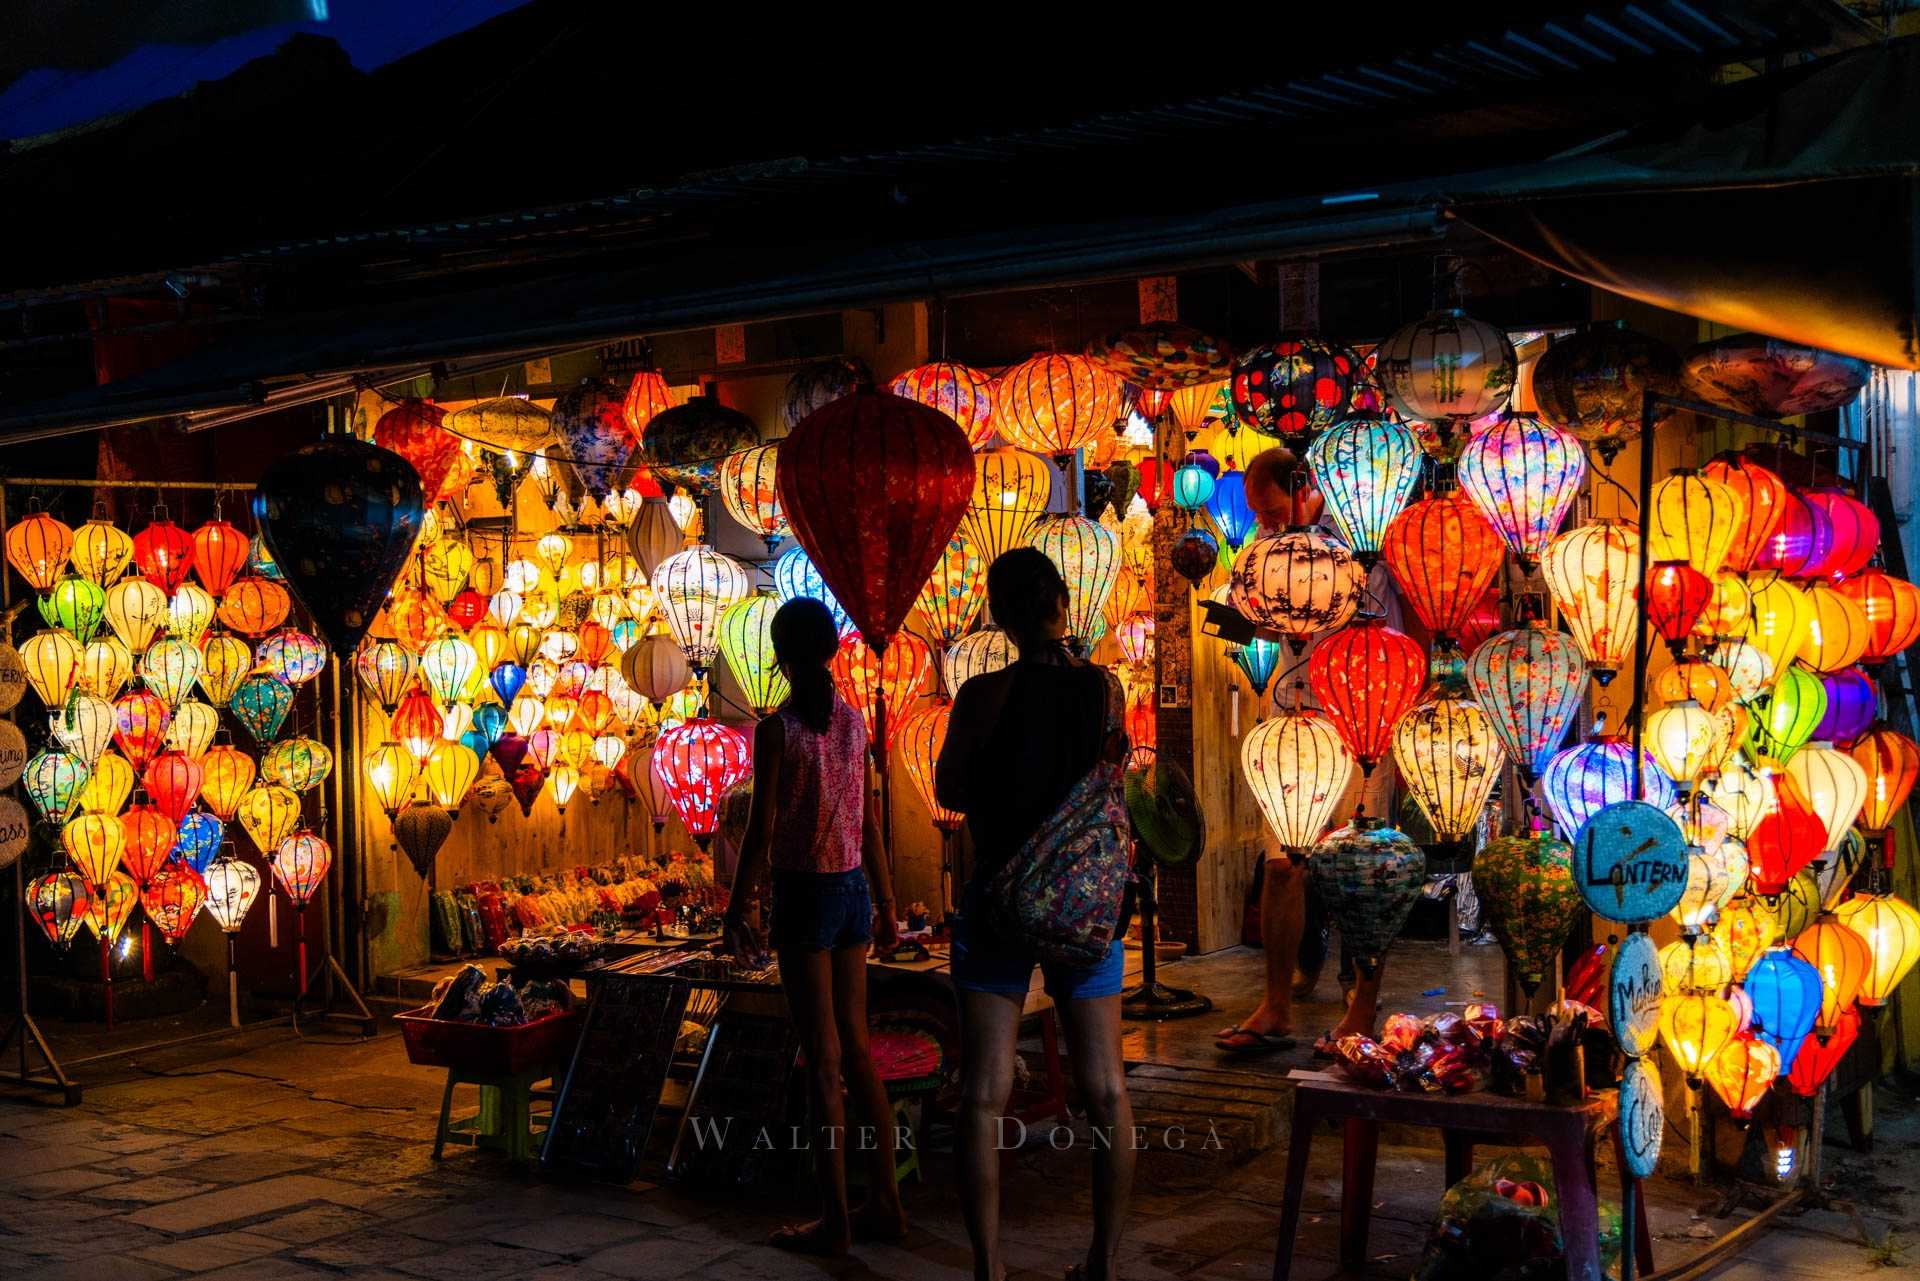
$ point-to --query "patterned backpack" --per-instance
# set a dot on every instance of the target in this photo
(1061, 894)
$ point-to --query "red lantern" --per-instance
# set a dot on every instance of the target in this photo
(416, 724)
(874, 486)
(1444, 555)
(1892, 607)
(698, 762)
(1677, 594)
(646, 396)
(150, 838)
(219, 554)
(1817, 1059)
(1856, 533)
(596, 643)
(1365, 677)
(1764, 496)
(163, 552)
(1156, 482)
(467, 608)
(1786, 840)
(173, 780)
(1143, 724)
(140, 720)
(1481, 624)
(172, 900)
(897, 678)
(412, 430)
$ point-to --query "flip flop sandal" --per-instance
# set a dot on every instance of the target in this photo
(1261, 1043)
(1323, 1048)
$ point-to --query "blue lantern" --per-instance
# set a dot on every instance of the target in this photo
(340, 517)
(1228, 507)
(261, 704)
(1587, 778)
(794, 576)
(1785, 992)
(1851, 704)
(198, 842)
(489, 721)
(506, 679)
(1257, 658)
(1192, 487)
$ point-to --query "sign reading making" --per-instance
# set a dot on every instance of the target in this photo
(1634, 992)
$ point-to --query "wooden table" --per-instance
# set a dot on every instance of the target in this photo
(1570, 1135)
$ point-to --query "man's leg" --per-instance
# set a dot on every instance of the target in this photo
(1282, 920)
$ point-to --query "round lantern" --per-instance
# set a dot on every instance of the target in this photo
(693, 588)
(1444, 556)
(1837, 630)
(819, 384)
(1582, 780)
(1694, 518)
(1192, 486)
(136, 609)
(232, 886)
(38, 546)
(987, 650)
(1728, 612)
(922, 735)
(199, 840)
(390, 770)
(140, 726)
(301, 764)
(1703, 682)
(76, 606)
(1892, 608)
(1695, 963)
(956, 591)
(413, 429)
(300, 865)
(169, 668)
(1594, 382)
(1856, 533)
(95, 843)
(386, 672)
(698, 762)
(1366, 468)
(1292, 387)
(174, 780)
(1087, 554)
(1449, 757)
(269, 813)
(746, 484)
(1891, 763)
(961, 393)
(172, 900)
(1851, 701)
(1055, 404)
(1194, 555)
(1696, 1027)
(1801, 543)
(108, 786)
(340, 517)
(111, 908)
(1677, 594)
(1298, 583)
(1011, 491)
(892, 679)
(225, 775)
(746, 642)
(294, 657)
(1526, 885)
(220, 553)
(1842, 960)
(1891, 930)
(1742, 1074)
(1523, 475)
(1530, 682)
(1366, 877)
(1298, 769)
(1446, 368)
(1365, 677)
(655, 666)
(1785, 716)
(54, 782)
(1763, 502)
(101, 551)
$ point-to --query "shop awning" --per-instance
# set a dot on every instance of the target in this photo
(1792, 209)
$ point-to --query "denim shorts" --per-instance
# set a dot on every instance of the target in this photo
(985, 962)
(821, 910)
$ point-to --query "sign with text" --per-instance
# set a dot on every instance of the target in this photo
(1630, 863)
(1643, 1116)
(1634, 992)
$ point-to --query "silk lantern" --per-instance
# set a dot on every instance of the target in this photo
(961, 393)
(1782, 613)
(199, 840)
(1257, 660)
(1785, 716)
(140, 725)
(163, 552)
(1298, 583)
(340, 517)
(1051, 404)
(697, 763)
(108, 913)
(1837, 630)
(1742, 1074)
(107, 786)
(590, 425)
(1367, 877)
(1526, 885)
(1696, 1027)
(1530, 682)
(1582, 780)
(1834, 785)
(76, 606)
(1446, 368)
(1366, 468)
(875, 486)
(1729, 610)
(83, 725)
(225, 661)
(1842, 960)
(101, 550)
(174, 780)
(420, 830)
(1677, 594)
(95, 844)
(1298, 770)
(135, 611)
(1365, 677)
(1694, 519)
(1817, 1060)
(1011, 491)
(450, 771)
(1785, 840)
(1192, 486)
(1523, 475)
(1763, 498)
(1682, 739)
(1227, 506)
(1087, 554)
(746, 484)
(1444, 556)
(1856, 533)
(647, 397)
(232, 885)
(415, 430)
(1801, 542)
(1449, 757)
(1890, 928)
(294, 657)
(105, 667)
(301, 764)
(694, 587)
(1292, 387)
(451, 669)
(987, 650)
(52, 661)
(150, 837)
(261, 704)
(882, 685)
(38, 546)
(391, 770)
(746, 642)
(220, 553)
(1696, 679)
(1746, 928)
(172, 900)
(922, 734)
(956, 590)
(191, 610)
(795, 575)
(226, 773)
(54, 782)
(1892, 609)
(1593, 383)
(1891, 762)
(1851, 702)
(170, 668)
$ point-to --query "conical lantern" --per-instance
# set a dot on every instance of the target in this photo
(108, 785)
(300, 764)
(1444, 557)
(961, 393)
(106, 666)
(269, 813)
(1842, 959)
(1817, 1059)
(59, 903)
(220, 553)
(38, 546)
(52, 660)
(149, 844)
(140, 725)
(987, 650)
(170, 668)
(172, 900)
(173, 780)
(1087, 554)
(1781, 615)
(1746, 928)
(1530, 682)
(1523, 475)
(1010, 493)
(340, 517)
(1449, 757)
(1785, 716)
(1526, 884)
(1582, 780)
(746, 642)
(112, 907)
(261, 703)
(1367, 877)
(1055, 404)
(199, 841)
(232, 885)
(420, 830)
(1694, 519)
(698, 762)
(1696, 1027)
(896, 678)
(226, 773)
(294, 657)
(1837, 630)
(76, 606)
(1298, 770)
(83, 725)
(450, 771)
(956, 591)
(1298, 583)
(922, 734)
(1593, 575)
(1743, 1073)
(95, 843)
(1892, 609)
(300, 865)
(101, 550)
(386, 671)
(693, 588)
(1891, 930)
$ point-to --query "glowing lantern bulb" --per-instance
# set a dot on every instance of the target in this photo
(1593, 575)
(1366, 468)
(390, 771)
(1523, 475)
(38, 546)
(1694, 519)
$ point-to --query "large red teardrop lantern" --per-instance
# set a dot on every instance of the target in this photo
(1444, 555)
(698, 762)
(874, 486)
(412, 430)
(1365, 677)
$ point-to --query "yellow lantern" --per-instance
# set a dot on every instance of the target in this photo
(1781, 615)
(1798, 906)
(95, 843)
(135, 611)
(1711, 882)
(1695, 963)
(1729, 612)
(1696, 1027)
(565, 778)
(1593, 573)
(1682, 738)
(451, 769)
(106, 666)
(301, 764)
(101, 549)
(226, 773)
(445, 568)
(523, 642)
(1834, 786)
(386, 670)
(192, 728)
(489, 641)
(109, 786)
(1298, 769)
(169, 668)
(608, 749)
(1449, 758)
(112, 907)
(1837, 630)
(390, 774)
(1746, 928)
(746, 642)
(1843, 960)
(83, 725)
(190, 612)
(52, 659)
(452, 669)
(1694, 518)
(1011, 490)
(225, 661)
(270, 812)
(1891, 930)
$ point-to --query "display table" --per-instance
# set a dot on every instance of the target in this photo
(1570, 1135)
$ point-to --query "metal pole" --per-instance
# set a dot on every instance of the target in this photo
(1638, 708)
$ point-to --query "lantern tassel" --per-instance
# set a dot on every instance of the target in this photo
(273, 919)
(233, 985)
(300, 926)
(106, 974)
(146, 950)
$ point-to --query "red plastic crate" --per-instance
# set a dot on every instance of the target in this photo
(476, 1049)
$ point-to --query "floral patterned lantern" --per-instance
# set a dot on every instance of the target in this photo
(1366, 677)
(301, 764)
(698, 762)
(1444, 556)
(1298, 770)
(1298, 583)
(1526, 884)
(261, 704)
(54, 782)
(1530, 682)
(225, 775)
(1294, 386)
(106, 666)
(955, 592)
(1055, 404)
(1087, 554)
(140, 725)
(891, 680)
(1742, 1074)
(76, 606)
(294, 657)
(135, 611)
(922, 734)
(38, 547)
(1523, 475)
(1594, 383)
(961, 393)
(1367, 877)
(172, 900)
(693, 588)
(746, 484)
(1448, 755)
(746, 642)
(1366, 468)
(60, 902)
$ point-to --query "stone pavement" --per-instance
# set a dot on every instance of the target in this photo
(267, 1157)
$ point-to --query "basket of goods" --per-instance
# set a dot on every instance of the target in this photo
(551, 953)
(492, 1029)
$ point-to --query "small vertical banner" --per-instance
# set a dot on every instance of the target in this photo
(1300, 297)
(538, 372)
(1159, 298)
(730, 345)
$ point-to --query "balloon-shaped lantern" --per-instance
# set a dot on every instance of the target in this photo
(1447, 369)
(1527, 886)
(891, 680)
(1367, 877)
(420, 830)
(1444, 556)
(747, 490)
(961, 393)
(1366, 468)
(693, 588)
(1365, 677)
(1842, 960)
(698, 762)
(38, 546)
(746, 642)
(1694, 519)
(1051, 404)
(1087, 554)
(1523, 475)
(1294, 386)
(1298, 769)
(1891, 930)
(1530, 682)
(1594, 383)
(1297, 583)
(1449, 757)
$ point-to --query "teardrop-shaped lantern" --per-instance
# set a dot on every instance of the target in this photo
(1530, 682)
(1087, 554)
(895, 678)
(101, 550)
(746, 642)
(1890, 928)
(220, 553)
(415, 430)
(386, 671)
(199, 840)
(150, 839)
(747, 490)
(172, 900)
(922, 734)
(52, 661)
(1526, 884)
(956, 591)
(226, 773)
(83, 725)
(1366, 468)
(450, 772)
(108, 786)
(269, 813)
(173, 780)
(698, 762)
(261, 704)
(1365, 677)
(1694, 519)
(140, 726)
(232, 886)
(1444, 556)
(420, 830)
(135, 611)
(300, 865)
(1696, 1027)
(1367, 877)
(1523, 475)
(1842, 960)
(38, 546)
(694, 587)
(1449, 757)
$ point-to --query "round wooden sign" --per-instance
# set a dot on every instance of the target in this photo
(13, 753)
(15, 828)
(1643, 1116)
(13, 677)
(1631, 862)
(1634, 992)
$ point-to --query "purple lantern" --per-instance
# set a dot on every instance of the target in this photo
(1851, 704)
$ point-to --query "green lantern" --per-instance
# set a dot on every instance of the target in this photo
(77, 605)
(1785, 717)
(1192, 487)
(300, 764)
(1797, 905)
(1367, 877)
(54, 781)
(1526, 883)
(746, 642)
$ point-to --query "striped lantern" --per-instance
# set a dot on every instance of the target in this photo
(1763, 498)
(1593, 575)
(746, 484)
(1055, 404)
(961, 392)
(1449, 757)
(882, 684)
(1366, 469)
(1365, 677)
(1298, 769)
(1523, 475)
(1298, 583)
(1087, 554)
(984, 651)
(1444, 555)
(1446, 367)
(1011, 491)
(1530, 682)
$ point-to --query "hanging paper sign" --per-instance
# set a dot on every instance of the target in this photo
(1631, 862)
(1643, 1116)
(13, 677)
(15, 825)
(1634, 993)
(13, 753)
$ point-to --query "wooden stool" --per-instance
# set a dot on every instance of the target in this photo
(505, 1121)
(1464, 1120)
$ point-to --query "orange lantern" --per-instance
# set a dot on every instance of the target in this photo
(1819, 1056)
(1704, 683)
(38, 547)
(254, 606)
(1892, 607)
(1842, 958)
(1763, 497)
(895, 680)
(173, 899)
(173, 779)
(416, 724)
(1742, 1074)
(922, 735)
(219, 554)
(1892, 763)
(140, 725)
(226, 773)
(1055, 404)
(1444, 555)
